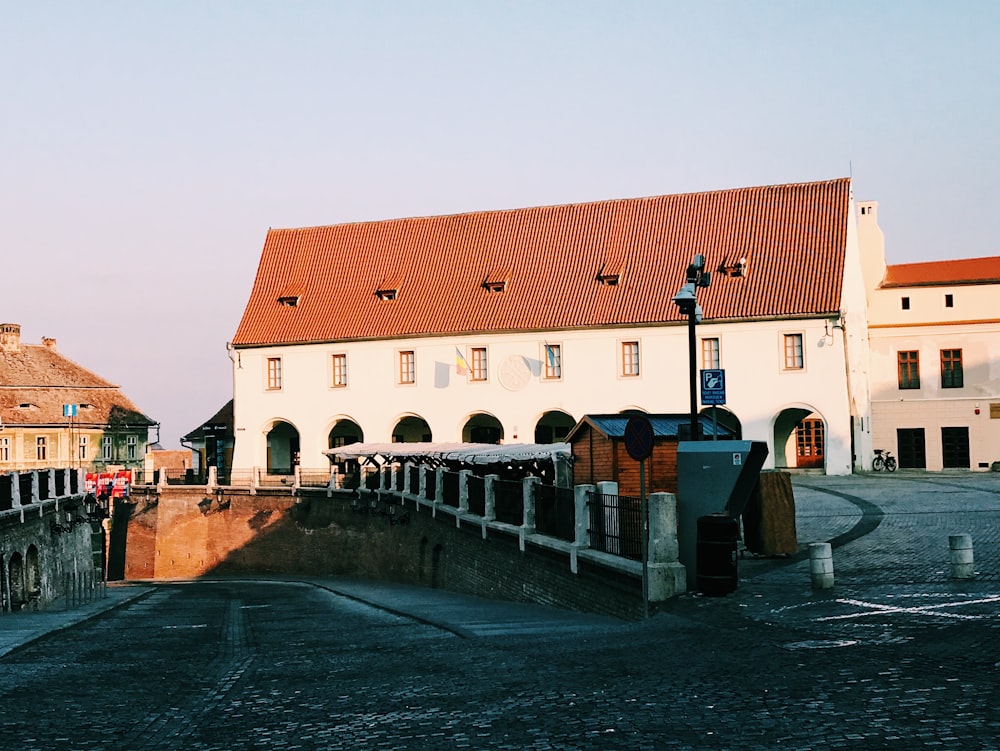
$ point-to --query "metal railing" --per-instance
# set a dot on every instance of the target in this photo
(555, 512)
(508, 500)
(616, 525)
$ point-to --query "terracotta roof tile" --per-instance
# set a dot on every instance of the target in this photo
(935, 273)
(793, 237)
(38, 376)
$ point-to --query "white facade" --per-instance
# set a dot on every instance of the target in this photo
(766, 397)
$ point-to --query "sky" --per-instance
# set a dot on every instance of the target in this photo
(147, 147)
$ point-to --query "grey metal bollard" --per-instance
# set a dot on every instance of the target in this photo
(960, 550)
(821, 565)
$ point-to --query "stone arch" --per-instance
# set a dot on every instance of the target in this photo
(344, 430)
(553, 426)
(633, 410)
(411, 429)
(726, 418)
(283, 446)
(15, 578)
(799, 434)
(482, 427)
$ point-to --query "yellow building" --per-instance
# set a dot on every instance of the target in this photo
(55, 413)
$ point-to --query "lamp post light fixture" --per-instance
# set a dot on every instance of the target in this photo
(686, 301)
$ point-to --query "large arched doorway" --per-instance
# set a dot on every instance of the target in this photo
(799, 439)
(282, 448)
(482, 428)
(344, 432)
(727, 421)
(411, 429)
(553, 427)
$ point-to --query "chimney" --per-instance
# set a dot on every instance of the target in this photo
(10, 337)
(49, 342)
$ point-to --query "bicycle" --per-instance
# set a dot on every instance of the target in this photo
(883, 461)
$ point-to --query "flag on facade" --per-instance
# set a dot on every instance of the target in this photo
(461, 365)
(550, 356)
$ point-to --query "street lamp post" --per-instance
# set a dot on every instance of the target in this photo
(687, 302)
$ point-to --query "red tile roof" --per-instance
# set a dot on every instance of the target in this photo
(793, 238)
(937, 273)
(39, 377)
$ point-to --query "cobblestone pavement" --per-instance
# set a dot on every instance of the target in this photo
(897, 655)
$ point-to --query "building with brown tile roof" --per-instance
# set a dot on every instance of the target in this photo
(510, 325)
(934, 330)
(39, 392)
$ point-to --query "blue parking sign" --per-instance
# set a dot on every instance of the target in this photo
(713, 386)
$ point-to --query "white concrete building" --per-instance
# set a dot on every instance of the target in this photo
(509, 326)
(935, 340)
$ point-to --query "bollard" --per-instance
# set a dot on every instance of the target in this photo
(960, 549)
(821, 565)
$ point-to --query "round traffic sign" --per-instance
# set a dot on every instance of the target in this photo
(639, 437)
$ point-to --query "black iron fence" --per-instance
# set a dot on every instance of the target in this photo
(616, 525)
(449, 490)
(555, 512)
(508, 500)
(477, 495)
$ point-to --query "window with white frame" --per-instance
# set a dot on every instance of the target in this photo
(479, 368)
(339, 365)
(710, 354)
(81, 447)
(106, 446)
(41, 448)
(794, 357)
(407, 372)
(131, 446)
(553, 362)
(4, 449)
(274, 374)
(630, 359)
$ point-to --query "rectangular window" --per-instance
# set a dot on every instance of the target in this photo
(553, 362)
(479, 370)
(131, 446)
(710, 354)
(909, 370)
(793, 352)
(949, 301)
(82, 446)
(339, 371)
(905, 301)
(106, 444)
(41, 448)
(951, 369)
(273, 373)
(407, 367)
(4, 449)
(630, 358)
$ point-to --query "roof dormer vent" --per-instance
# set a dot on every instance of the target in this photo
(611, 273)
(496, 280)
(389, 288)
(289, 301)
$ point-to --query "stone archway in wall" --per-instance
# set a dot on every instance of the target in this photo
(343, 432)
(15, 578)
(282, 448)
(482, 428)
(726, 419)
(411, 429)
(799, 439)
(553, 427)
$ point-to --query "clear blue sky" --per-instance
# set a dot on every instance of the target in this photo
(147, 147)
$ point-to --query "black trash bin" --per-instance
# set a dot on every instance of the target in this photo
(716, 555)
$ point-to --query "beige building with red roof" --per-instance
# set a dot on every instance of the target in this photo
(40, 390)
(935, 341)
(510, 326)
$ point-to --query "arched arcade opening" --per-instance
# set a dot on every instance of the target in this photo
(282, 448)
(412, 429)
(482, 428)
(799, 439)
(553, 427)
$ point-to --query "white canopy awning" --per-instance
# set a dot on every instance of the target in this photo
(467, 453)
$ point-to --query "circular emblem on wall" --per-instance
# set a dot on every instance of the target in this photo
(514, 373)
